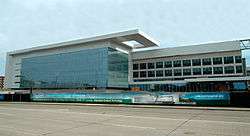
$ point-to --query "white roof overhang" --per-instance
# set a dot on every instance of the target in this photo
(141, 39)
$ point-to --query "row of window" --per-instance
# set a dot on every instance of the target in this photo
(188, 72)
(186, 63)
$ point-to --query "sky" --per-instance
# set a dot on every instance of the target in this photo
(30, 23)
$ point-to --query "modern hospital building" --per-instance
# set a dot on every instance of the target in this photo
(129, 60)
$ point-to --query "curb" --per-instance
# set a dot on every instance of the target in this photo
(134, 106)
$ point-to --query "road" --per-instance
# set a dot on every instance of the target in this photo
(67, 120)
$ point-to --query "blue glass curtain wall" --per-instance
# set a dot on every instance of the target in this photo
(117, 69)
(82, 69)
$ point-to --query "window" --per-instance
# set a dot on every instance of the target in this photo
(135, 74)
(186, 63)
(196, 71)
(207, 71)
(228, 60)
(239, 69)
(177, 72)
(151, 65)
(159, 64)
(143, 66)
(159, 73)
(206, 61)
(151, 73)
(217, 60)
(143, 74)
(177, 63)
(186, 72)
(229, 69)
(168, 73)
(218, 70)
(168, 64)
(238, 59)
(135, 66)
(196, 62)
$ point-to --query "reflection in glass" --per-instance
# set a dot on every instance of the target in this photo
(82, 69)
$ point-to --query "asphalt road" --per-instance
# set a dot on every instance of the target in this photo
(68, 120)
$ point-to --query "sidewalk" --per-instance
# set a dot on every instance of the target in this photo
(133, 106)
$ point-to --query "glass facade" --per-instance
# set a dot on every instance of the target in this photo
(239, 69)
(238, 59)
(207, 71)
(151, 65)
(135, 74)
(196, 71)
(206, 61)
(117, 68)
(186, 63)
(168, 64)
(218, 70)
(229, 69)
(135, 66)
(186, 72)
(177, 72)
(159, 64)
(143, 74)
(143, 66)
(159, 73)
(217, 60)
(168, 73)
(196, 62)
(151, 73)
(195, 86)
(177, 63)
(82, 69)
(229, 60)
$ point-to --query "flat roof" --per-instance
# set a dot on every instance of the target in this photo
(141, 39)
(188, 50)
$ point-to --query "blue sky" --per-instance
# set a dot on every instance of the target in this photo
(30, 23)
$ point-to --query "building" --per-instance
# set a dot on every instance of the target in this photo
(205, 67)
(1, 82)
(248, 71)
(112, 61)
(93, 63)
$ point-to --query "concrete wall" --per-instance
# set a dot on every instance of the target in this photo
(188, 50)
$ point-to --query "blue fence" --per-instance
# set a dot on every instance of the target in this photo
(197, 98)
(1, 97)
(206, 98)
(86, 97)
